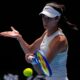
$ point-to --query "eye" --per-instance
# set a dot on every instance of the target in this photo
(56, 18)
(47, 18)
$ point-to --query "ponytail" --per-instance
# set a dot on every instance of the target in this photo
(65, 23)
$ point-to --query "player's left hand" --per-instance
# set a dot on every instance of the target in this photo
(13, 34)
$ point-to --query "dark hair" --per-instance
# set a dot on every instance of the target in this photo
(63, 20)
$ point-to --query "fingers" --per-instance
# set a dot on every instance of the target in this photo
(29, 57)
(0, 34)
(5, 34)
(13, 29)
(26, 55)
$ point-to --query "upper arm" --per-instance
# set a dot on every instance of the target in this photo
(36, 44)
(58, 44)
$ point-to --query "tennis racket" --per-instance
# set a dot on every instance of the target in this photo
(42, 62)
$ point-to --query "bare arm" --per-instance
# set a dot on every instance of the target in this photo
(32, 47)
(29, 48)
(58, 44)
(24, 45)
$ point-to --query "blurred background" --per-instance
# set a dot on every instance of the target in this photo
(24, 16)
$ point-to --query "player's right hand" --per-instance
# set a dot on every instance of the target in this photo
(29, 57)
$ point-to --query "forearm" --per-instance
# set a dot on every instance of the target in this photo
(29, 48)
(24, 45)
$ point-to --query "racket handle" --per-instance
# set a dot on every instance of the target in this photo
(34, 61)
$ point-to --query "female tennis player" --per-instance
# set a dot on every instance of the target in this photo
(53, 42)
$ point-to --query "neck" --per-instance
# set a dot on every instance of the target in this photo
(50, 32)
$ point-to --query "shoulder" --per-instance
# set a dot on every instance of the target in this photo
(44, 33)
(60, 38)
(59, 42)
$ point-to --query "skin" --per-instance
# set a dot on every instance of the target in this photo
(58, 44)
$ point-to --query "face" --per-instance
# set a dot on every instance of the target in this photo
(49, 23)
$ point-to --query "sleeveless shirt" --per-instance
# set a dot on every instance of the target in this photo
(58, 64)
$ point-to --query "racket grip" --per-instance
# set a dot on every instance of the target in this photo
(34, 61)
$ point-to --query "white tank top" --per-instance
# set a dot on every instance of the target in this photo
(58, 64)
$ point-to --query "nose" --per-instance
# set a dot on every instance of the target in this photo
(45, 21)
